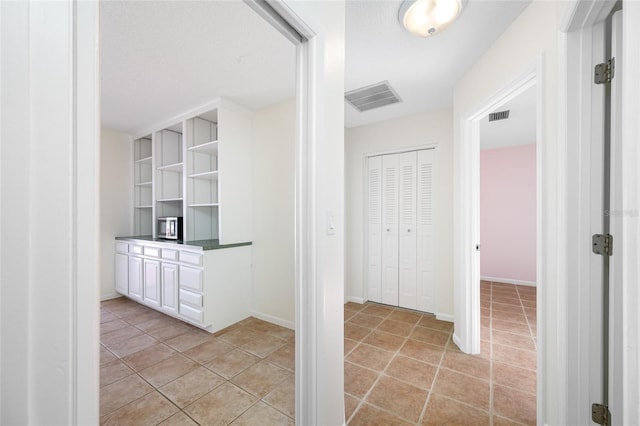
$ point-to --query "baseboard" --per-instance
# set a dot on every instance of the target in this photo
(456, 340)
(109, 296)
(354, 299)
(509, 281)
(444, 317)
(274, 320)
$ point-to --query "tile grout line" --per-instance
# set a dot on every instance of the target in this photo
(435, 377)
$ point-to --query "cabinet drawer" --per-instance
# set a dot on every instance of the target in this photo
(193, 299)
(122, 247)
(191, 313)
(135, 249)
(191, 278)
(192, 258)
(152, 251)
(169, 254)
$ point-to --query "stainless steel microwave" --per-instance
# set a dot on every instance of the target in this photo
(170, 228)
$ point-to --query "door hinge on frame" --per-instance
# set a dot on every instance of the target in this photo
(600, 414)
(604, 72)
(602, 244)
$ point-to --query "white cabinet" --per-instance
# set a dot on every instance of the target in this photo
(152, 282)
(122, 273)
(400, 228)
(169, 279)
(135, 277)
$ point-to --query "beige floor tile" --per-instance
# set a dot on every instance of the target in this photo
(157, 322)
(358, 380)
(519, 341)
(514, 377)
(149, 410)
(284, 357)
(485, 312)
(514, 309)
(283, 333)
(386, 341)
(349, 345)
(108, 327)
(348, 314)
(405, 316)
(205, 352)
(365, 320)
(239, 336)
(262, 414)
(528, 303)
(514, 356)
(188, 340)
(106, 356)
(112, 372)
(149, 356)
(121, 393)
(514, 405)
(168, 370)
(179, 419)
(263, 345)
(409, 370)
(436, 324)
(131, 345)
(462, 388)
(261, 378)
(232, 363)
(377, 310)
(422, 351)
(445, 411)
(355, 332)
(472, 365)
(370, 357)
(506, 300)
(188, 388)
(371, 416)
(429, 335)
(509, 316)
(350, 405)
(283, 397)
(120, 334)
(169, 331)
(501, 421)
(354, 306)
(106, 316)
(139, 318)
(398, 328)
(259, 325)
(511, 327)
(398, 398)
(220, 406)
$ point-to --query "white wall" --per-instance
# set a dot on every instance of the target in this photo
(412, 131)
(273, 152)
(533, 34)
(115, 202)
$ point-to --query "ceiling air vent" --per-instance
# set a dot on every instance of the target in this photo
(374, 96)
(500, 115)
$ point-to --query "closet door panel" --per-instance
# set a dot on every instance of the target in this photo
(407, 231)
(374, 229)
(390, 182)
(425, 230)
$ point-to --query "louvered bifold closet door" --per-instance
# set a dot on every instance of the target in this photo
(407, 231)
(390, 229)
(425, 230)
(374, 230)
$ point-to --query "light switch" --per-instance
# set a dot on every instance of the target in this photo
(331, 222)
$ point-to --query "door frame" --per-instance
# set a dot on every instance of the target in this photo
(467, 276)
(365, 215)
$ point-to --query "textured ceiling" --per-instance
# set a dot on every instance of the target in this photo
(162, 58)
(422, 70)
(518, 129)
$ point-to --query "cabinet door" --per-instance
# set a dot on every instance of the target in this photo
(426, 229)
(122, 273)
(152, 282)
(390, 229)
(135, 277)
(374, 229)
(169, 287)
(407, 231)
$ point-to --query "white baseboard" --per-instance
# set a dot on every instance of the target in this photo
(274, 320)
(456, 339)
(444, 317)
(509, 281)
(354, 299)
(109, 296)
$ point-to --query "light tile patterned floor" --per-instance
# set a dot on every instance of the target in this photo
(401, 367)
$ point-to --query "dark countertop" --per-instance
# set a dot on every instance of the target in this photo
(203, 244)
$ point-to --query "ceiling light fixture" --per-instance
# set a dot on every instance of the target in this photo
(425, 18)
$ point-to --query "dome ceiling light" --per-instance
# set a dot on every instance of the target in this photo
(425, 18)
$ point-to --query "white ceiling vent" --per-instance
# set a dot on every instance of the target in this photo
(500, 115)
(374, 96)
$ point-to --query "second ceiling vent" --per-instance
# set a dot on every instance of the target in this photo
(373, 96)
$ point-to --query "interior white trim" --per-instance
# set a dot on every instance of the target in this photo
(274, 320)
(508, 281)
(359, 300)
(445, 317)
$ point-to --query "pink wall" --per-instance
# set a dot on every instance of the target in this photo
(508, 213)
